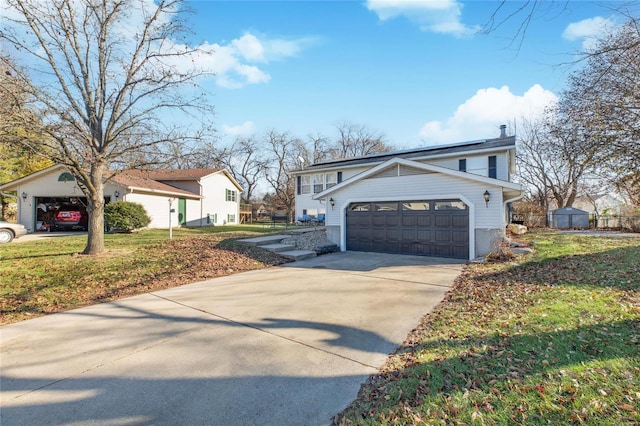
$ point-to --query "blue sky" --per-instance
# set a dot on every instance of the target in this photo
(418, 71)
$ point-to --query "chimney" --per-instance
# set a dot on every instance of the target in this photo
(503, 131)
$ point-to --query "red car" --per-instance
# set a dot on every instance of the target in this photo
(69, 218)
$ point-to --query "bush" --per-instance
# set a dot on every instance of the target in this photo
(125, 216)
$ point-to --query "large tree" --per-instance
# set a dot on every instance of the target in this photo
(603, 99)
(356, 140)
(246, 162)
(555, 159)
(17, 119)
(106, 76)
(282, 159)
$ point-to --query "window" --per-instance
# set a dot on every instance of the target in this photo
(331, 179)
(231, 195)
(231, 218)
(385, 207)
(450, 205)
(462, 164)
(339, 177)
(305, 185)
(416, 206)
(318, 183)
(359, 207)
(493, 168)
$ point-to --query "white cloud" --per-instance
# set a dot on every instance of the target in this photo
(588, 30)
(440, 16)
(235, 63)
(244, 129)
(482, 114)
(250, 48)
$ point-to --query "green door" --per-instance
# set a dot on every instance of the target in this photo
(182, 211)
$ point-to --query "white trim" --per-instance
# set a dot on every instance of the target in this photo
(465, 200)
(35, 175)
(421, 166)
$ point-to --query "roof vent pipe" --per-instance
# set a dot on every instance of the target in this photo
(503, 131)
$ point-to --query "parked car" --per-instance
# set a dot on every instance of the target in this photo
(70, 217)
(9, 231)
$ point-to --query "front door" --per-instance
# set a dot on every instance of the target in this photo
(182, 211)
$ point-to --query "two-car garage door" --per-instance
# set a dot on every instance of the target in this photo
(428, 228)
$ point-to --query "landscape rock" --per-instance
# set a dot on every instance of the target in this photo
(517, 229)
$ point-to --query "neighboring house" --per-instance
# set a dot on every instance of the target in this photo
(199, 197)
(426, 201)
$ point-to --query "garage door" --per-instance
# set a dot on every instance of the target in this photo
(428, 228)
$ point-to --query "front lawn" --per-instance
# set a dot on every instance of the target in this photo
(47, 276)
(549, 339)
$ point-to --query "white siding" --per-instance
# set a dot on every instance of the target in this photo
(214, 203)
(477, 164)
(157, 208)
(314, 207)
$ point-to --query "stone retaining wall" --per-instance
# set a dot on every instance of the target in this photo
(312, 240)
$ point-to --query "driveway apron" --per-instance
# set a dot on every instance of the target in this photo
(287, 345)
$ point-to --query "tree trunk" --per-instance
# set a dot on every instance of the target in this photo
(95, 209)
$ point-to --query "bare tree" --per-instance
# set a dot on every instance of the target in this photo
(525, 13)
(554, 160)
(107, 78)
(282, 159)
(604, 98)
(356, 140)
(245, 160)
(314, 149)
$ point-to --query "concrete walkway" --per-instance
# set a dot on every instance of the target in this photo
(284, 345)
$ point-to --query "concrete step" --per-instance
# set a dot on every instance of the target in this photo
(278, 248)
(263, 241)
(298, 254)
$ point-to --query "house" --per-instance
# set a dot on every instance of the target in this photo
(447, 201)
(193, 197)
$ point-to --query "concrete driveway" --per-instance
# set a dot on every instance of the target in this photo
(284, 345)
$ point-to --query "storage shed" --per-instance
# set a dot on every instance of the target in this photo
(569, 217)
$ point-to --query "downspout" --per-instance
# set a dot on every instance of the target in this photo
(510, 200)
(201, 205)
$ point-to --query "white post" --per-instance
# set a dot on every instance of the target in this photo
(170, 213)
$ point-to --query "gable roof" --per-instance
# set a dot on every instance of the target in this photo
(177, 174)
(186, 174)
(138, 180)
(513, 189)
(478, 146)
(13, 185)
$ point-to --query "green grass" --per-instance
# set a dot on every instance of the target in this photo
(46, 276)
(549, 339)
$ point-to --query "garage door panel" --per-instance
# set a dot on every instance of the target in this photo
(413, 227)
(442, 220)
(423, 235)
(394, 234)
(409, 220)
(377, 220)
(442, 235)
(425, 221)
(409, 234)
(460, 221)
(392, 220)
(459, 236)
